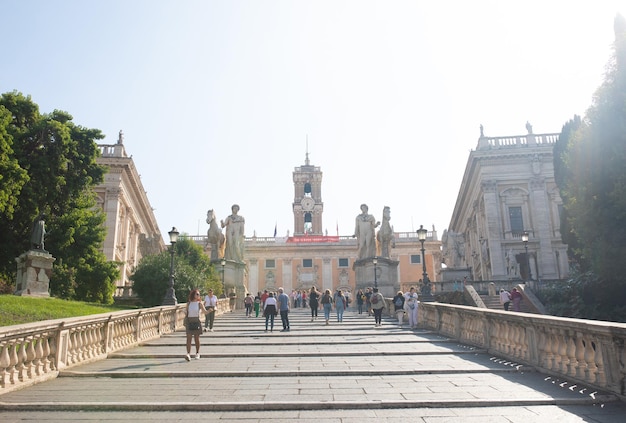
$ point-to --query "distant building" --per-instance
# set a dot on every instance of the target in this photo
(508, 189)
(132, 230)
(310, 257)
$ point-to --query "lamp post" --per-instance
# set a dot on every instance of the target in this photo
(375, 261)
(421, 236)
(170, 297)
(525, 241)
(223, 263)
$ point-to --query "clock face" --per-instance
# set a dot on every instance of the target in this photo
(307, 203)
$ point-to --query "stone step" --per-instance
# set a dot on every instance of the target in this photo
(346, 371)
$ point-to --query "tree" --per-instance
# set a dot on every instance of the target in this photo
(593, 185)
(192, 269)
(54, 170)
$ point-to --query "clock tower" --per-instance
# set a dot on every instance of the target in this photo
(307, 201)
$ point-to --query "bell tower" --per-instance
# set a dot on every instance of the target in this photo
(307, 200)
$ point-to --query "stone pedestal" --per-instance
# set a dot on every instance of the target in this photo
(386, 275)
(34, 269)
(233, 277)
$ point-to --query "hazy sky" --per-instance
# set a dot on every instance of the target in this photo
(217, 98)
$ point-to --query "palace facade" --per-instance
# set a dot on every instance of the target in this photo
(132, 230)
(506, 221)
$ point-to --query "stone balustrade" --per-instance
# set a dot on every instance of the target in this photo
(34, 352)
(589, 352)
(584, 351)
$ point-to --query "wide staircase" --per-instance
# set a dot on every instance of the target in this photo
(346, 371)
(493, 302)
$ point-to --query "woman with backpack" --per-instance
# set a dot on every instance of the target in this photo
(378, 304)
(398, 304)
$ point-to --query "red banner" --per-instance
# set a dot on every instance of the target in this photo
(313, 238)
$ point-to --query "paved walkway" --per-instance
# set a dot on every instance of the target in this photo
(343, 372)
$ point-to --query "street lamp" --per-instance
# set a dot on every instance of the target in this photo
(525, 241)
(223, 263)
(170, 297)
(421, 236)
(375, 261)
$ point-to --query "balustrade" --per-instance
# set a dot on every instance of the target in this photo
(586, 351)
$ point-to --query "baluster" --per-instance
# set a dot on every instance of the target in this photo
(13, 372)
(572, 363)
(600, 374)
(591, 370)
(38, 362)
(73, 346)
(29, 364)
(21, 360)
(561, 353)
(581, 365)
(542, 353)
(5, 362)
(46, 353)
(523, 343)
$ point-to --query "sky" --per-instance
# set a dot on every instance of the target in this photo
(219, 101)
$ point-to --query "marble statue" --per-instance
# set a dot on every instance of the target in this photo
(234, 225)
(364, 233)
(385, 233)
(215, 236)
(38, 233)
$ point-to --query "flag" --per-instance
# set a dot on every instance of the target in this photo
(337, 228)
(275, 228)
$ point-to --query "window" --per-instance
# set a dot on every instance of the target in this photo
(307, 189)
(416, 259)
(307, 262)
(270, 264)
(516, 220)
(344, 262)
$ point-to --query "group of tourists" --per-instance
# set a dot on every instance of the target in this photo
(271, 304)
(515, 297)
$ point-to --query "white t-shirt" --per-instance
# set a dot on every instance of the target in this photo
(194, 309)
(210, 301)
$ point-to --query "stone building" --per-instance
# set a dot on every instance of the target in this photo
(310, 257)
(508, 190)
(132, 230)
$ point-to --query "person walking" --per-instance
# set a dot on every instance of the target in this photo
(257, 304)
(340, 304)
(378, 304)
(314, 302)
(398, 305)
(505, 299)
(410, 306)
(269, 311)
(283, 306)
(368, 304)
(327, 303)
(516, 297)
(210, 304)
(194, 327)
(232, 299)
(360, 299)
(248, 302)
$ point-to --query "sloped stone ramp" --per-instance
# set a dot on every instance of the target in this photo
(343, 372)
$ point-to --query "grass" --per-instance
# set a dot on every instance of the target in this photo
(15, 310)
